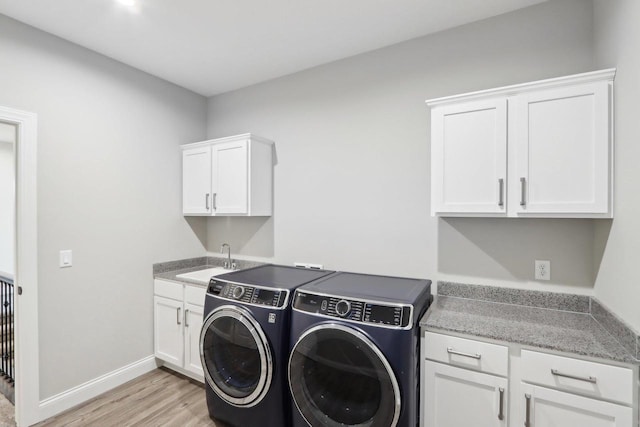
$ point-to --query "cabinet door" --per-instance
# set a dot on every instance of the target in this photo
(563, 151)
(551, 408)
(168, 339)
(192, 326)
(469, 158)
(196, 181)
(230, 178)
(456, 397)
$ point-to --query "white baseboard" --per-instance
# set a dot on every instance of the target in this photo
(74, 396)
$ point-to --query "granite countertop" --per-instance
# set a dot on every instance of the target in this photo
(169, 270)
(565, 331)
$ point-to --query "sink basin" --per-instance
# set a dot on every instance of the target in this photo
(203, 276)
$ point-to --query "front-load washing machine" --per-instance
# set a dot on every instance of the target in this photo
(355, 351)
(244, 344)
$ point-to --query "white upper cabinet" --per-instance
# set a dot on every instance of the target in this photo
(469, 157)
(230, 176)
(196, 181)
(541, 149)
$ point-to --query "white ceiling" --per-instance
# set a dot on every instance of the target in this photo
(214, 46)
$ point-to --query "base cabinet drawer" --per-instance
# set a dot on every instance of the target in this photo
(477, 355)
(578, 376)
(457, 397)
(544, 407)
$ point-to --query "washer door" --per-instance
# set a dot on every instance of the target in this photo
(338, 377)
(236, 356)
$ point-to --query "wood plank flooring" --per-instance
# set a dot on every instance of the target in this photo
(158, 398)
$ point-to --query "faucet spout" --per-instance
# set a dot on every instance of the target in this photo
(227, 263)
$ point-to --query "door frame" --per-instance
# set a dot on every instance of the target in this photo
(27, 384)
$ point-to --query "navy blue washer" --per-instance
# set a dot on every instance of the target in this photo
(355, 351)
(244, 344)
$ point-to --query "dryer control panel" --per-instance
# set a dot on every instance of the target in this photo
(364, 311)
(247, 294)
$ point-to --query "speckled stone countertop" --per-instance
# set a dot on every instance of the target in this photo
(576, 332)
(169, 270)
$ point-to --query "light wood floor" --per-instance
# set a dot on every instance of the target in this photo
(159, 398)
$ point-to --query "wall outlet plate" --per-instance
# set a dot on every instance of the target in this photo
(308, 265)
(543, 270)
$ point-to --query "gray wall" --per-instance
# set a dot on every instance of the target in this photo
(352, 140)
(109, 188)
(617, 33)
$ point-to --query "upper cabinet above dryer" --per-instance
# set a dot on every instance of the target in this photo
(541, 149)
(230, 176)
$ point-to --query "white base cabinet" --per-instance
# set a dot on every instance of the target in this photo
(543, 407)
(468, 382)
(178, 312)
(458, 397)
(230, 176)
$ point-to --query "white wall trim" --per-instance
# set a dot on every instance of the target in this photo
(79, 394)
(27, 362)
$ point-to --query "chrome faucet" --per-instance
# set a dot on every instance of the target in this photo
(227, 264)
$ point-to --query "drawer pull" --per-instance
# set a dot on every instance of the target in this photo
(450, 350)
(501, 413)
(527, 416)
(557, 373)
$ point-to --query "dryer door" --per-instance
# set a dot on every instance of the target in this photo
(338, 377)
(236, 356)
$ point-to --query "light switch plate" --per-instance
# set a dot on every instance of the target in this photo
(66, 258)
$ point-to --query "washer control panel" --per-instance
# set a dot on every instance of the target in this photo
(355, 310)
(247, 294)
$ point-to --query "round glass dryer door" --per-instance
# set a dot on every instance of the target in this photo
(236, 356)
(338, 377)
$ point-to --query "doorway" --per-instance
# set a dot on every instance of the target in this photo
(7, 269)
(19, 259)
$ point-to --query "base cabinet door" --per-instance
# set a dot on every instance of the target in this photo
(543, 407)
(457, 397)
(192, 326)
(168, 330)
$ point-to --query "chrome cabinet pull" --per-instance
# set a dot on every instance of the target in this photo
(527, 417)
(501, 413)
(523, 184)
(477, 356)
(178, 316)
(186, 318)
(207, 201)
(588, 379)
(215, 197)
(501, 190)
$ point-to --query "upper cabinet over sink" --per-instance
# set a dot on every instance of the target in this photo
(230, 176)
(541, 149)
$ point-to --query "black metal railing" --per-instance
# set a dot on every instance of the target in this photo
(6, 330)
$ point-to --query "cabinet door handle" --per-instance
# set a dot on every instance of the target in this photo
(523, 185)
(215, 197)
(186, 319)
(450, 350)
(178, 316)
(501, 412)
(501, 192)
(527, 416)
(588, 379)
(207, 201)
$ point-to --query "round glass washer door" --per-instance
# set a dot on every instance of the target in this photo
(236, 356)
(339, 377)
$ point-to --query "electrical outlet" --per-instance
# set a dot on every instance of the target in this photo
(543, 270)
